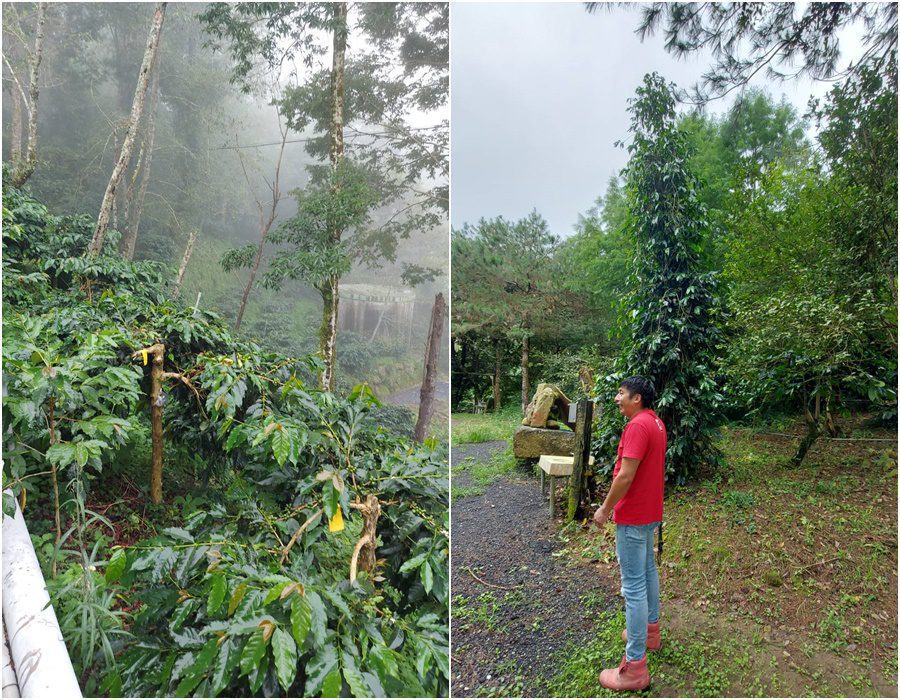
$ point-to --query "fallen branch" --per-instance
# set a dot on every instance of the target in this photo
(492, 585)
(300, 531)
(818, 563)
(354, 560)
(370, 510)
(187, 382)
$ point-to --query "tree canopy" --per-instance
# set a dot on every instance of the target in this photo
(776, 37)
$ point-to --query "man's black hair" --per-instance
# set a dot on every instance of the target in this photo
(643, 386)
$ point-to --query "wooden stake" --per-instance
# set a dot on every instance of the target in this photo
(156, 353)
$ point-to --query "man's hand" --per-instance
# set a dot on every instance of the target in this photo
(601, 515)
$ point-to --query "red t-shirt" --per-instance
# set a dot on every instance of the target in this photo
(644, 438)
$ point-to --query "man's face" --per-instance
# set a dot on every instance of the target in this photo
(628, 403)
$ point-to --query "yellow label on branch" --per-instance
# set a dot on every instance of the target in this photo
(336, 524)
(144, 355)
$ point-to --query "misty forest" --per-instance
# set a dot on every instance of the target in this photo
(224, 280)
(745, 261)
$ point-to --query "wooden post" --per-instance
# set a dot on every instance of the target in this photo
(155, 353)
(426, 396)
(552, 496)
(583, 418)
(496, 380)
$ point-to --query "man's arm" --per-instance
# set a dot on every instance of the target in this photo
(619, 488)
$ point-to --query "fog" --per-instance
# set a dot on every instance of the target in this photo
(213, 165)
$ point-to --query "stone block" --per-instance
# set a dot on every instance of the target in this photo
(531, 443)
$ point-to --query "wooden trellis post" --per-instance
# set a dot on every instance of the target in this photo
(155, 354)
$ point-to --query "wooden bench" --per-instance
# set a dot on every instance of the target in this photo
(555, 466)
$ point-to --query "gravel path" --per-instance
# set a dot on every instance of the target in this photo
(527, 604)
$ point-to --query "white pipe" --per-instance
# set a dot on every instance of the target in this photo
(39, 655)
(10, 684)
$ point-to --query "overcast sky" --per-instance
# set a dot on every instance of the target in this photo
(539, 95)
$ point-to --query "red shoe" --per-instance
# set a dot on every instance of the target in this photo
(630, 675)
(654, 641)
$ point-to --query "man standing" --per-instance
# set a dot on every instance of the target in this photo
(635, 500)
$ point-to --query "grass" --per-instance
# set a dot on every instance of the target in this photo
(693, 667)
(480, 475)
(483, 611)
(471, 478)
(777, 581)
(802, 561)
(469, 428)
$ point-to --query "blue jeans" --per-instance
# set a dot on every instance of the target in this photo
(640, 584)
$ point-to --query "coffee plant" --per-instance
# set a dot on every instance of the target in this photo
(315, 562)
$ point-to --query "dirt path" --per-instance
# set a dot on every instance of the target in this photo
(528, 603)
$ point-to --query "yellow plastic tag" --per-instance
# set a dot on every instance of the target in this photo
(144, 355)
(336, 524)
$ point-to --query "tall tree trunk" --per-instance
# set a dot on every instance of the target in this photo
(339, 49)
(137, 108)
(526, 386)
(496, 382)
(328, 329)
(133, 216)
(192, 239)
(15, 149)
(432, 354)
(25, 166)
(265, 224)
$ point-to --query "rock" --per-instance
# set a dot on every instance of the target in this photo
(547, 401)
(531, 443)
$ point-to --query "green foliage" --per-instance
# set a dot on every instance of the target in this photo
(812, 264)
(746, 38)
(673, 310)
(310, 252)
(370, 196)
(595, 260)
(504, 281)
(214, 591)
(398, 420)
(508, 291)
(563, 367)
